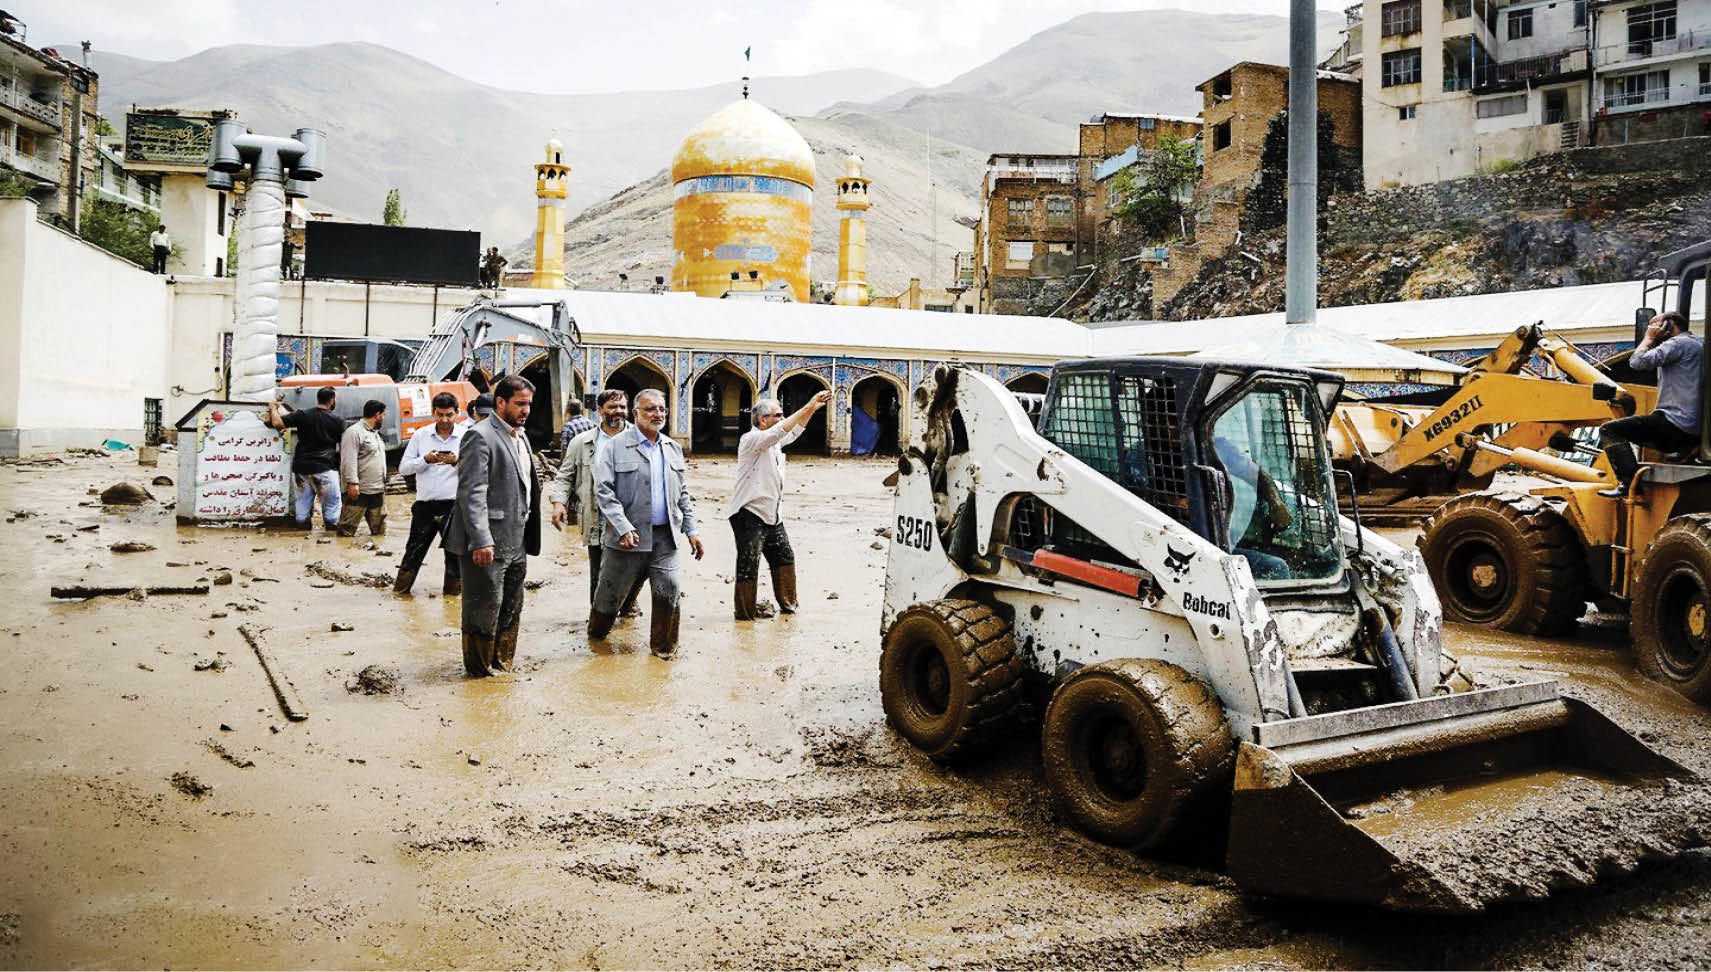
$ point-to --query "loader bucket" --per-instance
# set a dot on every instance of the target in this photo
(1454, 803)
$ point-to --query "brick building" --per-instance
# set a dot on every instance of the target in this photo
(41, 138)
(1041, 214)
(1238, 107)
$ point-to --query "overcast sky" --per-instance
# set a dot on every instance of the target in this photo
(571, 46)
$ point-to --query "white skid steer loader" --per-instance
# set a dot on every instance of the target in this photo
(1165, 555)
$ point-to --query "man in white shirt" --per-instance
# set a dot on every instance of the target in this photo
(756, 501)
(161, 245)
(431, 457)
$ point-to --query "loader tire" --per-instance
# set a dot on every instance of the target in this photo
(950, 678)
(1506, 559)
(1670, 614)
(1134, 748)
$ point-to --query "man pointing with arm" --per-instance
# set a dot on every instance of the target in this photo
(755, 510)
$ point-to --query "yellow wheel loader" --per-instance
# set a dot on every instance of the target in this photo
(1531, 561)
(1162, 559)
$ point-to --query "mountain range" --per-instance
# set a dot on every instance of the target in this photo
(462, 153)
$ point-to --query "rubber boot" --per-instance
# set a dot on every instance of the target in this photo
(744, 608)
(453, 586)
(784, 587)
(478, 654)
(599, 624)
(406, 580)
(662, 632)
(505, 650)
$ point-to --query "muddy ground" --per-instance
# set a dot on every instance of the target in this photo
(743, 805)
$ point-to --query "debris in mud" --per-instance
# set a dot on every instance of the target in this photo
(125, 494)
(615, 873)
(765, 609)
(130, 546)
(86, 591)
(338, 626)
(832, 747)
(223, 578)
(320, 584)
(534, 585)
(9, 929)
(214, 746)
(21, 515)
(161, 481)
(882, 532)
(877, 545)
(375, 680)
(325, 571)
(832, 596)
(142, 667)
(190, 786)
(215, 664)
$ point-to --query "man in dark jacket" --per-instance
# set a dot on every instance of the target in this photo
(496, 526)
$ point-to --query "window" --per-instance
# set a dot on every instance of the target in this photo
(220, 219)
(1058, 209)
(1283, 508)
(1636, 89)
(1580, 13)
(1647, 23)
(1148, 124)
(1406, 112)
(1500, 107)
(1221, 87)
(1401, 67)
(1520, 23)
(1220, 136)
(1018, 254)
(26, 141)
(1457, 9)
(1705, 78)
(1400, 17)
(1020, 211)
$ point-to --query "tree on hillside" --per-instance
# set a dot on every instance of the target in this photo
(1267, 205)
(394, 213)
(1152, 196)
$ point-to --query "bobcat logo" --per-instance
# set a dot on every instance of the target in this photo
(1177, 560)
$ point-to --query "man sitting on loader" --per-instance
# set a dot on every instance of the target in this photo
(1678, 357)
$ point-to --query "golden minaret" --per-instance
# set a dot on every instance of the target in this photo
(551, 178)
(852, 235)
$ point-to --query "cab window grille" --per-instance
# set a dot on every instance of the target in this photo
(1153, 466)
(1081, 420)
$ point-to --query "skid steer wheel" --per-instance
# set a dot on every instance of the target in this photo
(1670, 616)
(1132, 747)
(1506, 559)
(949, 677)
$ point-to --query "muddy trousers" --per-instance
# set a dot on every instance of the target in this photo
(620, 570)
(325, 483)
(594, 560)
(1654, 431)
(492, 612)
(366, 506)
(755, 538)
(427, 522)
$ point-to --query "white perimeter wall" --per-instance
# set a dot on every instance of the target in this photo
(83, 338)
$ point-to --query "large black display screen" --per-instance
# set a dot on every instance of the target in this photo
(393, 254)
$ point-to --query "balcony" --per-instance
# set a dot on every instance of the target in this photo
(1684, 43)
(964, 270)
(21, 102)
(1635, 99)
(40, 168)
(1037, 173)
(1528, 71)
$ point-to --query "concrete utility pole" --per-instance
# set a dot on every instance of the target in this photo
(277, 169)
(1301, 253)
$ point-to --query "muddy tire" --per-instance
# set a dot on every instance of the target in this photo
(1506, 559)
(1133, 748)
(1670, 614)
(950, 678)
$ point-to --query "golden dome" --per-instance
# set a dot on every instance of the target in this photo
(744, 138)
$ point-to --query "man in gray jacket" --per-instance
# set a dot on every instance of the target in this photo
(574, 484)
(495, 527)
(641, 489)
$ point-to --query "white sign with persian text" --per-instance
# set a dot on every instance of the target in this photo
(240, 469)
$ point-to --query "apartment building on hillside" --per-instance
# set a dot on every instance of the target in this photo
(1040, 214)
(1653, 69)
(1454, 87)
(42, 139)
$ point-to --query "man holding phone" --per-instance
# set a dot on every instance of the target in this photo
(431, 457)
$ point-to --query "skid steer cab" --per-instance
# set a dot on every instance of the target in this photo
(1164, 559)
